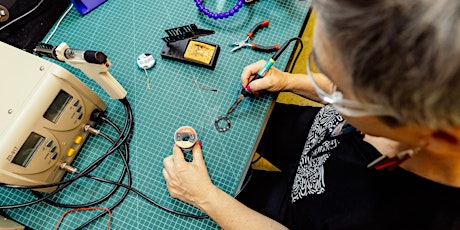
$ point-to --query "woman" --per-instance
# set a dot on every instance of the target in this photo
(387, 70)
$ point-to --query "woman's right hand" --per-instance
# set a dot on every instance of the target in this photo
(273, 81)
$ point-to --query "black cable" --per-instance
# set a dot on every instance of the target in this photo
(126, 192)
(284, 46)
(299, 41)
(115, 145)
(92, 166)
(128, 126)
(95, 202)
(147, 198)
(129, 123)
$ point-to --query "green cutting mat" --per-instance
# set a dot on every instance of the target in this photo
(125, 29)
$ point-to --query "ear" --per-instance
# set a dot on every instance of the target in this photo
(446, 140)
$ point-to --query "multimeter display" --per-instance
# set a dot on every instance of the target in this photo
(57, 106)
(28, 149)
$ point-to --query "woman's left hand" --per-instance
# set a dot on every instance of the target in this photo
(187, 181)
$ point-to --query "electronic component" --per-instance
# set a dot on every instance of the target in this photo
(42, 122)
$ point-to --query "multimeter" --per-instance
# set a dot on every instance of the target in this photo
(43, 112)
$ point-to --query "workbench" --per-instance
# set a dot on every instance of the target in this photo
(125, 29)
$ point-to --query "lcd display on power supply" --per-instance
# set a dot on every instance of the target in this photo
(28, 149)
(57, 106)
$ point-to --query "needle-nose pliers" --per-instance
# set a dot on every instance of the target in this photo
(255, 46)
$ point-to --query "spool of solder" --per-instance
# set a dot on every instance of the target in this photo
(185, 137)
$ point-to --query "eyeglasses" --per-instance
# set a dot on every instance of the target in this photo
(346, 107)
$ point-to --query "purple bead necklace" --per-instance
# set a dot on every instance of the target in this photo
(221, 15)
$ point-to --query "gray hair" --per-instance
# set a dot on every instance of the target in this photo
(402, 54)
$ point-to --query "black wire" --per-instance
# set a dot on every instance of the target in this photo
(91, 167)
(147, 198)
(128, 126)
(121, 140)
(129, 123)
(98, 201)
(125, 159)
(284, 46)
(299, 41)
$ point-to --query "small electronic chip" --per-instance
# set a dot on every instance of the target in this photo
(199, 51)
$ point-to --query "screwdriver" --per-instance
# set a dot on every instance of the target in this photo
(260, 74)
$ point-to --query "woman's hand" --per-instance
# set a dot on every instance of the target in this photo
(273, 81)
(187, 181)
(190, 182)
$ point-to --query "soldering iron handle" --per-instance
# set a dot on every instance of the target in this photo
(257, 76)
(246, 92)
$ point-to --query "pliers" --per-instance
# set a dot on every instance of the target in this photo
(255, 46)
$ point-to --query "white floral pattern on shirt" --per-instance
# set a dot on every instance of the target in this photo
(309, 178)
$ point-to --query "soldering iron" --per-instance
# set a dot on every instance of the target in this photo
(245, 92)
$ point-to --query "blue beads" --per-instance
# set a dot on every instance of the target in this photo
(222, 15)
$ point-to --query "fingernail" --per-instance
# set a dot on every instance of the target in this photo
(200, 143)
(248, 88)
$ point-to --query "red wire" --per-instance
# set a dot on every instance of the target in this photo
(84, 209)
